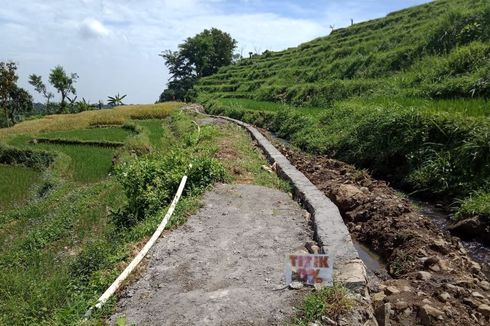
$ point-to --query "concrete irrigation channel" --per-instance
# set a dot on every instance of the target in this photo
(330, 231)
(225, 265)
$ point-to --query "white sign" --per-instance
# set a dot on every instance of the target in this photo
(309, 269)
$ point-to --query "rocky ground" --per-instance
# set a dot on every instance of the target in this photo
(224, 266)
(429, 278)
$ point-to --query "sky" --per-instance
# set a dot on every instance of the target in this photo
(113, 45)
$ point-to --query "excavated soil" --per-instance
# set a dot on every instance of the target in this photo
(224, 266)
(429, 278)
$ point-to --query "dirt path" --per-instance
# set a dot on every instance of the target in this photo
(224, 266)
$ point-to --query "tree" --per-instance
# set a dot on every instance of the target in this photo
(21, 102)
(208, 51)
(8, 83)
(40, 87)
(199, 56)
(13, 100)
(116, 100)
(63, 83)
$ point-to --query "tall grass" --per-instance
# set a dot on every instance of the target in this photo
(443, 155)
(94, 134)
(23, 178)
(405, 95)
(155, 131)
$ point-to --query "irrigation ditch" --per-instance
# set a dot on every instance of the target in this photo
(417, 273)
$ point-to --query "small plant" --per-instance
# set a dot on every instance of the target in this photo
(478, 204)
(331, 302)
(401, 264)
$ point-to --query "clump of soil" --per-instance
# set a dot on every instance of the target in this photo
(433, 281)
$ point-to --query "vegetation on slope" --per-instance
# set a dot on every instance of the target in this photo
(65, 242)
(437, 50)
(405, 96)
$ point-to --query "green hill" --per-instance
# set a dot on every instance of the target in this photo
(405, 96)
(437, 50)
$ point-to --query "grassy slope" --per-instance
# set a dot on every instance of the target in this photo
(437, 50)
(405, 96)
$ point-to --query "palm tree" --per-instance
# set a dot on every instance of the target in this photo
(116, 100)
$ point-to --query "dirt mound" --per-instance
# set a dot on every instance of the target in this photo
(224, 266)
(431, 279)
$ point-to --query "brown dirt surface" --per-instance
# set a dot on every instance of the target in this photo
(224, 266)
(379, 217)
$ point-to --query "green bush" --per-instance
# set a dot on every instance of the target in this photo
(477, 204)
(33, 159)
(151, 182)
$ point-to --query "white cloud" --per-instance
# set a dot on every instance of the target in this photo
(92, 28)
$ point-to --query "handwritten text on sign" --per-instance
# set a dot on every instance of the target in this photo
(309, 269)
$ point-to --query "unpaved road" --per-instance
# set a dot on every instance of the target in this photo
(224, 266)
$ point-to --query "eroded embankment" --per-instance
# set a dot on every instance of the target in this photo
(430, 279)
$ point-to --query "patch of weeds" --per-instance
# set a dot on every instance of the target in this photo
(331, 302)
(121, 321)
(477, 204)
(33, 159)
(244, 161)
(401, 264)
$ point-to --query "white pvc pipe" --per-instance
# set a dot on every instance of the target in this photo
(117, 283)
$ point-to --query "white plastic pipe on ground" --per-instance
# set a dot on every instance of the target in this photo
(117, 283)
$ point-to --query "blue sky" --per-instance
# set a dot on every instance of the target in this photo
(113, 45)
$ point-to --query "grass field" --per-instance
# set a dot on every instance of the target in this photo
(115, 134)
(478, 108)
(61, 251)
(82, 163)
(116, 116)
(155, 131)
(438, 50)
(23, 178)
(239, 103)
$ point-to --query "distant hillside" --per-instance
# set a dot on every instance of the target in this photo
(436, 50)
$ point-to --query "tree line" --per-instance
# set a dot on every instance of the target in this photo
(16, 103)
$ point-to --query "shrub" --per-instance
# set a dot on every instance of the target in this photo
(33, 159)
(476, 204)
(151, 182)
